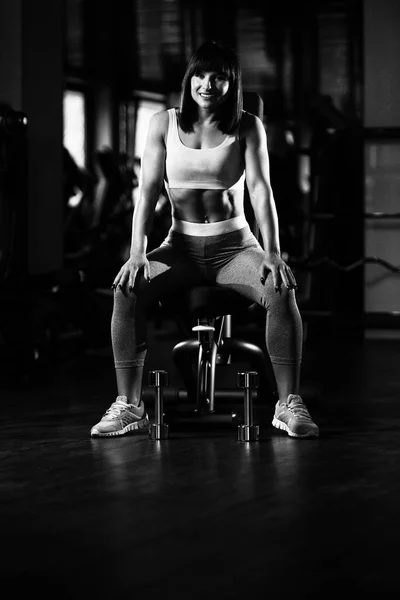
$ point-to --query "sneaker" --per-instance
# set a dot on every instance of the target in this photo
(294, 418)
(121, 418)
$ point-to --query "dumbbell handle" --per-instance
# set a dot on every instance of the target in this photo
(158, 408)
(249, 381)
(248, 407)
(248, 432)
(158, 429)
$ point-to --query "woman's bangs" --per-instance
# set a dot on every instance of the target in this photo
(214, 64)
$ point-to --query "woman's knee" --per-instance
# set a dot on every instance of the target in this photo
(124, 302)
(128, 295)
(281, 297)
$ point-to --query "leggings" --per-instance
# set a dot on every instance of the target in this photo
(230, 260)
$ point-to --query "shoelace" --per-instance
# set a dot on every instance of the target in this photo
(115, 409)
(298, 409)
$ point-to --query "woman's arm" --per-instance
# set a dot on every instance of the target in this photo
(258, 182)
(262, 200)
(150, 184)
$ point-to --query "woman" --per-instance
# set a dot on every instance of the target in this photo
(203, 151)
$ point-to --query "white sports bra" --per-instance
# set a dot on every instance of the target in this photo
(219, 168)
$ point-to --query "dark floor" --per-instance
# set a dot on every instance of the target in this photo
(201, 515)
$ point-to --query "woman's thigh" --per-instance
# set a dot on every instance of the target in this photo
(170, 273)
(242, 274)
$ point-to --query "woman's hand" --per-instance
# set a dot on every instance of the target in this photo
(129, 270)
(281, 272)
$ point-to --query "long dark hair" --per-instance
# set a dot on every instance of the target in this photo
(213, 57)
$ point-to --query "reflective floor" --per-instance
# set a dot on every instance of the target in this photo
(201, 515)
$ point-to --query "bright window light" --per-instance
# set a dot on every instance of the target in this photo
(74, 126)
(145, 110)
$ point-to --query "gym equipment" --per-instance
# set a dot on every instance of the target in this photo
(214, 346)
(248, 431)
(158, 430)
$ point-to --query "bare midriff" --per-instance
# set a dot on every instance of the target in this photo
(205, 206)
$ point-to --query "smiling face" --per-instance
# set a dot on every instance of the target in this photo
(212, 84)
(209, 89)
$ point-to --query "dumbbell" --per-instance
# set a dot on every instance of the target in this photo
(158, 430)
(248, 432)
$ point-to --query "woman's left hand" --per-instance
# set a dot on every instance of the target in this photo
(281, 272)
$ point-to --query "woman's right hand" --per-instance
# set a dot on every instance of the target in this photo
(127, 273)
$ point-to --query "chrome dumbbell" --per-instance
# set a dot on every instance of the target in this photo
(248, 432)
(158, 430)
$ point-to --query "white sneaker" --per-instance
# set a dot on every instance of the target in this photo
(121, 418)
(294, 418)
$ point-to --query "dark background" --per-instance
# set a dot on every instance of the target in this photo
(315, 65)
(200, 515)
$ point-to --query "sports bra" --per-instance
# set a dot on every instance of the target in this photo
(219, 168)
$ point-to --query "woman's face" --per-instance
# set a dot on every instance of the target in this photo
(209, 89)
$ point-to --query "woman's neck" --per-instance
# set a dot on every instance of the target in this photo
(206, 118)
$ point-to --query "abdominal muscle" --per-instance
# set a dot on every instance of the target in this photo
(205, 206)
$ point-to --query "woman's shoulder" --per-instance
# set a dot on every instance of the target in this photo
(158, 124)
(251, 126)
(249, 121)
(160, 118)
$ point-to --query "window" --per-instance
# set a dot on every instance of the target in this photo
(75, 126)
(144, 111)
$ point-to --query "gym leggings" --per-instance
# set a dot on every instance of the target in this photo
(229, 260)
